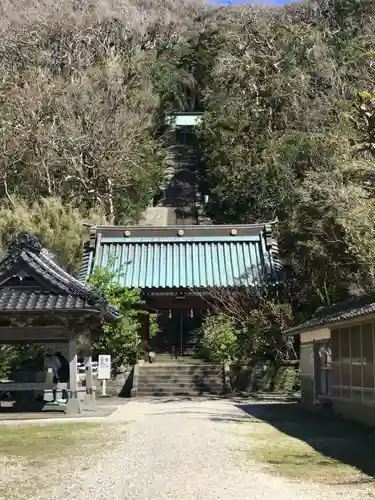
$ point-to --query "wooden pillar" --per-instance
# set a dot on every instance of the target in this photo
(146, 330)
(73, 405)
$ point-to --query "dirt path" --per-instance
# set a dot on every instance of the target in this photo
(184, 450)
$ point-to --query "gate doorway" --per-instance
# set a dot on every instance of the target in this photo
(178, 332)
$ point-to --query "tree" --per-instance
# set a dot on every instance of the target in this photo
(86, 138)
(78, 104)
(123, 340)
(248, 322)
(276, 145)
(59, 226)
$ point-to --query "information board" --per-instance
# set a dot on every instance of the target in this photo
(104, 367)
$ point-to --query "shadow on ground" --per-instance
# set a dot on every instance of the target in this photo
(105, 407)
(178, 399)
(348, 442)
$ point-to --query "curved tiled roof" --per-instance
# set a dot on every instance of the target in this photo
(29, 299)
(30, 280)
(346, 310)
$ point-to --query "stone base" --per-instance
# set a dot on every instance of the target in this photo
(89, 401)
(73, 407)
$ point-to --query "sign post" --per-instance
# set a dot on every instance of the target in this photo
(104, 371)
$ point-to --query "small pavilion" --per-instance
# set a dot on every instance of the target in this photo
(41, 303)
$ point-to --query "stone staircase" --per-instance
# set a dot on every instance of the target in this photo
(180, 379)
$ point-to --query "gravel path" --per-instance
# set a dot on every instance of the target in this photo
(184, 450)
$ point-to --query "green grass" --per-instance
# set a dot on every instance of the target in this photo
(43, 441)
(295, 459)
(299, 445)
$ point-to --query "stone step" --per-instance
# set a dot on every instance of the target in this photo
(175, 380)
(160, 391)
(150, 394)
(179, 364)
(180, 379)
(154, 381)
(180, 390)
(181, 373)
(162, 379)
(181, 384)
(183, 376)
(181, 369)
(182, 366)
(177, 388)
(165, 380)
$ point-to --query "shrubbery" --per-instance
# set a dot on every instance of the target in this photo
(123, 340)
(219, 338)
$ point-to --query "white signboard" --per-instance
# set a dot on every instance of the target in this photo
(104, 367)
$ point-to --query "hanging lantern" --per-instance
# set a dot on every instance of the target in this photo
(170, 314)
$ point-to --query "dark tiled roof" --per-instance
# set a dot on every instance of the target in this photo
(342, 311)
(29, 299)
(31, 280)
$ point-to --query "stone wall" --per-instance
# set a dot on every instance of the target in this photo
(265, 376)
(158, 216)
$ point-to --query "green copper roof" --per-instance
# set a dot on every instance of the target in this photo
(183, 262)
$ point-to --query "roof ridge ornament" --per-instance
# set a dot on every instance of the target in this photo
(25, 241)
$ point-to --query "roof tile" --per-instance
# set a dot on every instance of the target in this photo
(26, 299)
(354, 307)
(31, 281)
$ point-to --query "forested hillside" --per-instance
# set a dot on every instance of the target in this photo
(288, 130)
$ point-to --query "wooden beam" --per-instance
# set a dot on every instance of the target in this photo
(25, 386)
(165, 303)
(11, 335)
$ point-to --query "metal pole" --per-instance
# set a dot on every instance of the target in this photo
(104, 387)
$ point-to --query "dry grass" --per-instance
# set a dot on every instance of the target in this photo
(34, 457)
